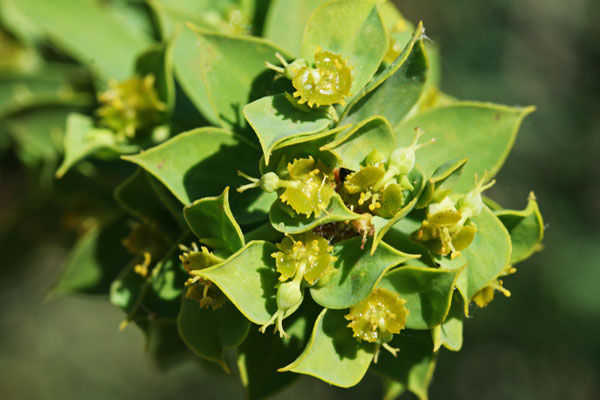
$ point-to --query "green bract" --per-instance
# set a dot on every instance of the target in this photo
(278, 180)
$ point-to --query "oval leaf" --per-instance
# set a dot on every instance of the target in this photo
(95, 261)
(482, 132)
(285, 220)
(275, 120)
(248, 278)
(526, 229)
(443, 177)
(353, 147)
(138, 197)
(413, 367)
(208, 333)
(82, 139)
(353, 29)
(201, 163)
(427, 291)
(332, 354)
(450, 333)
(286, 20)
(396, 91)
(91, 32)
(357, 274)
(221, 74)
(210, 219)
(260, 355)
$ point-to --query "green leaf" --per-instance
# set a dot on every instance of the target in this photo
(285, 220)
(450, 333)
(443, 177)
(482, 132)
(357, 274)
(392, 389)
(398, 27)
(374, 133)
(91, 32)
(37, 135)
(54, 84)
(314, 139)
(297, 148)
(275, 120)
(353, 29)
(163, 342)
(208, 333)
(221, 74)
(158, 61)
(82, 139)
(211, 221)
(201, 163)
(286, 21)
(395, 91)
(427, 291)
(207, 14)
(399, 237)
(156, 297)
(95, 261)
(526, 229)
(332, 354)
(414, 365)
(486, 257)
(137, 196)
(248, 279)
(260, 355)
(383, 225)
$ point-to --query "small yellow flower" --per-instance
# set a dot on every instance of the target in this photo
(129, 106)
(309, 255)
(201, 290)
(377, 318)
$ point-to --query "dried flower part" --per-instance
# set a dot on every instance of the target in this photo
(203, 291)
(328, 83)
(310, 187)
(486, 295)
(206, 294)
(130, 106)
(364, 227)
(378, 317)
(307, 256)
(194, 258)
(147, 241)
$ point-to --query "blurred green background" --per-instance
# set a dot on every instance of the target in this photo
(542, 343)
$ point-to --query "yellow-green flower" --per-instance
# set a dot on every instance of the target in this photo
(308, 190)
(129, 106)
(201, 290)
(378, 317)
(308, 255)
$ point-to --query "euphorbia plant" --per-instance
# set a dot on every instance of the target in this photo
(330, 193)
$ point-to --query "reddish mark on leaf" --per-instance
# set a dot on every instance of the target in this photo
(160, 164)
(497, 116)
